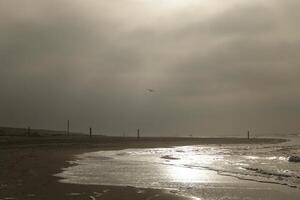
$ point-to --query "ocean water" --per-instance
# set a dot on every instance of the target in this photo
(183, 168)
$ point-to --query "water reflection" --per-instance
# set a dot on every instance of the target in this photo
(182, 167)
(185, 175)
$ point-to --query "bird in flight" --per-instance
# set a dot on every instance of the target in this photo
(150, 90)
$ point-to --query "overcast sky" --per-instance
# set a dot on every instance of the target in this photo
(217, 67)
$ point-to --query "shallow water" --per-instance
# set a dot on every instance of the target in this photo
(183, 168)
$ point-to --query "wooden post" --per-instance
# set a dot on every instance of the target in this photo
(138, 134)
(68, 128)
(248, 134)
(90, 132)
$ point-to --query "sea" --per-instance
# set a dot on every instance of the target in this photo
(185, 169)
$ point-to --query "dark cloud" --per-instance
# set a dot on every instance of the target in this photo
(220, 71)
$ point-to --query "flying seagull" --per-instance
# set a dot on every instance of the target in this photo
(150, 90)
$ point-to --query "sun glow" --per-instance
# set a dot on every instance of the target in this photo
(203, 8)
(172, 5)
(175, 3)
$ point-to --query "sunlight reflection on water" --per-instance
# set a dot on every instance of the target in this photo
(183, 167)
(186, 175)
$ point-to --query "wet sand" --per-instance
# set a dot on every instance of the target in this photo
(26, 172)
(27, 166)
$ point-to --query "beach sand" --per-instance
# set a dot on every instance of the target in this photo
(27, 167)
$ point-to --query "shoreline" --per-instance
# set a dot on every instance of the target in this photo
(100, 141)
(27, 169)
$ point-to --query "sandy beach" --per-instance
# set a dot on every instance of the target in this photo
(27, 167)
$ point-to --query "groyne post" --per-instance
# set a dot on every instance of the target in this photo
(68, 128)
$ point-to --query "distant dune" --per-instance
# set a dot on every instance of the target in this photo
(9, 131)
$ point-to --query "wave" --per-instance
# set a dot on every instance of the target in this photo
(256, 174)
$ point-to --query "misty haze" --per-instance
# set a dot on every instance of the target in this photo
(149, 99)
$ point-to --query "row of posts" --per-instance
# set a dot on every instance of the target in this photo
(90, 130)
(68, 131)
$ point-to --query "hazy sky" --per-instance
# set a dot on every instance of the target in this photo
(217, 67)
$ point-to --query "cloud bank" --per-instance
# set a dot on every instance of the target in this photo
(216, 68)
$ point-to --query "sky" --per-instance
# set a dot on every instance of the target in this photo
(218, 68)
